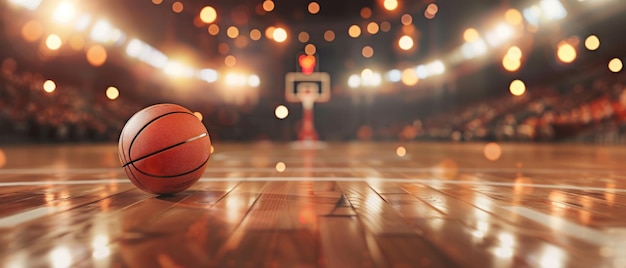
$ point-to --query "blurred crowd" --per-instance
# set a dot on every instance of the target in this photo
(68, 114)
(591, 111)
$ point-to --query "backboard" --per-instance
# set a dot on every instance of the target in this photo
(315, 85)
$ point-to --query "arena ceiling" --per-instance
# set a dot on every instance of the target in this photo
(176, 29)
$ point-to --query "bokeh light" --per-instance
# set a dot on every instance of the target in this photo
(566, 52)
(269, 32)
(367, 72)
(517, 87)
(432, 8)
(354, 81)
(390, 4)
(409, 77)
(255, 34)
(313, 7)
(214, 29)
(615, 65)
(232, 32)
(405, 42)
(303, 37)
(96, 55)
(406, 19)
(198, 115)
(112, 93)
(49, 86)
(366, 12)
(268, 5)
(281, 112)
(431, 11)
(514, 52)
(512, 59)
(401, 151)
(354, 31)
(3, 158)
(64, 12)
(592, 42)
(177, 7)
(32, 30)
(60, 256)
(513, 17)
(470, 35)
(394, 75)
(367, 52)
(372, 27)
(281, 167)
(310, 49)
(254, 80)
(233, 79)
(492, 151)
(230, 61)
(279, 35)
(511, 64)
(329, 35)
(208, 14)
(385, 26)
(53, 42)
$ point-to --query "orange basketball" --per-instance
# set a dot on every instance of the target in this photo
(164, 149)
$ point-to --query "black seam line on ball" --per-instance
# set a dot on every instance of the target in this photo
(175, 175)
(132, 142)
(167, 148)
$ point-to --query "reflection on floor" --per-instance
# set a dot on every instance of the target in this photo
(337, 205)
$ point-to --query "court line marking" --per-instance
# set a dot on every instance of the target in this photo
(28, 215)
(74, 182)
(22, 171)
(587, 234)
(346, 179)
(34, 171)
(562, 225)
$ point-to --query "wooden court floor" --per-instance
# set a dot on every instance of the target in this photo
(334, 205)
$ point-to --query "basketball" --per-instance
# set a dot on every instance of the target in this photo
(164, 149)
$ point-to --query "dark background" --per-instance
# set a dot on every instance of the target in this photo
(433, 105)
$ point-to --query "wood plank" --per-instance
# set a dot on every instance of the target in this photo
(390, 230)
(200, 223)
(495, 220)
(128, 214)
(75, 227)
(57, 196)
(461, 218)
(343, 243)
(283, 212)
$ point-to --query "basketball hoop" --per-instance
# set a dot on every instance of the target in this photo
(307, 93)
(307, 89)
